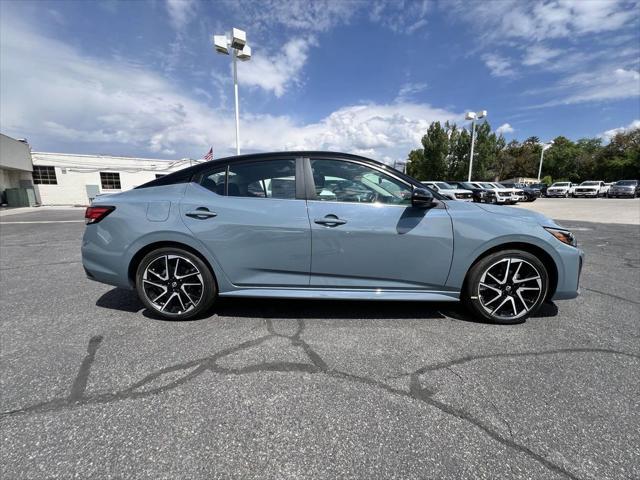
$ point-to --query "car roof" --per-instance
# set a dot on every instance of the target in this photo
(204, 166)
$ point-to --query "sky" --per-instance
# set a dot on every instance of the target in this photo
(140, 78)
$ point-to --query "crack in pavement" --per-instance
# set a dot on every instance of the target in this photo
(194, 368)
(617, 297)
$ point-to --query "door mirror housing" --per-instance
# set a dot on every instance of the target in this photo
(421, 198)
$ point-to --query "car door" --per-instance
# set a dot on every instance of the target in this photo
(252, 218)
(366, 234)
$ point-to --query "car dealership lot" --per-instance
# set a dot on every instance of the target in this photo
(94, 387)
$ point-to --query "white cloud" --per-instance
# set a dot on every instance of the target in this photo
(609, 134)
(544, 20)
(181, 12)
(499, 66)
(276, 73)
(409, 89)
(303, 15)
(110, 106)
(539, 55)
(401, 16)
(607, 83)
(504, 128)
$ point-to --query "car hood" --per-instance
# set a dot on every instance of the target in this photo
(458, 190)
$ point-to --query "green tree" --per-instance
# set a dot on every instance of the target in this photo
(435, 148)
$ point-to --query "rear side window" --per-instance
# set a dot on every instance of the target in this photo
(265, 179)
(214, 180)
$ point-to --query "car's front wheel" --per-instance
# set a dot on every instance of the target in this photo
(506, 287)
(175, 284)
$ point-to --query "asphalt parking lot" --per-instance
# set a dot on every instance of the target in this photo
(94, 387)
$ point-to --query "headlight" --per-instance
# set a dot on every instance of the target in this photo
(565, 236)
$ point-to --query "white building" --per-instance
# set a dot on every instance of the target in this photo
(73, 179)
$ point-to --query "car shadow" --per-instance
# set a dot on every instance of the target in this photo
(127, 301)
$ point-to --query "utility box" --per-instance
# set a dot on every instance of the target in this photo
(20, 197)
(92, 192)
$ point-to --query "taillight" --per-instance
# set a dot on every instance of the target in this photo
(97, 213)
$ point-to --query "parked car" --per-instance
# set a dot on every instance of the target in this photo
(529, 194)
(498, 195)
(257, 226)
(541, 188)
(591, 188)
(450, 191)
(517, 194)
(561, 189)
(478, 193)
(624, 188)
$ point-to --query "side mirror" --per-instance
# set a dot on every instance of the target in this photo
(421, 198)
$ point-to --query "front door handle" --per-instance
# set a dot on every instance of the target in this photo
(201, 213)
(330, 221)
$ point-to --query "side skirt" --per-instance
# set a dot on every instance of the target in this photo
(345, 294)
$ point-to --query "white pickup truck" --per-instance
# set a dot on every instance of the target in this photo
(591, 188)
(561, 189)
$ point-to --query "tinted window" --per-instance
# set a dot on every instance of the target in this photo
(110, 180)
(341, 181)
(44, 175)
(267, 179)
(214, 180)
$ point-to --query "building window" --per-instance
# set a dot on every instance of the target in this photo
(44, 175)
(110, 180)
(160, 175)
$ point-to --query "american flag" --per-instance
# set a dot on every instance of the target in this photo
(209, 155)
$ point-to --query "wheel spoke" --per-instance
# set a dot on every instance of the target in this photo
(524, 304)
(187, 294)
(177, 294)
(160, 296)
(506, 273)
(506, 299)
(515, 275)
(494, 279)
(495, 289)
(537, 277)
(186, 275)
(168, 301)
(156, 274)
(175, 271)
(153, 283)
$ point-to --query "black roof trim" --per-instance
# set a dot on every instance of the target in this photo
(184, 175)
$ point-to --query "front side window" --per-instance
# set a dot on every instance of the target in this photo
(266, 179)
(44, 175)
(110, 180)
(342, 181)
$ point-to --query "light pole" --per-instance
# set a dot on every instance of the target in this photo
(473, 116)
(545, 147)
(236, 41)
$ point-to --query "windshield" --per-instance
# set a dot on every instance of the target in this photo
(444, 186)
(627, 183)
(466, 185)
(561, 184)
(590, 184)
(499, 185)
(486, 185)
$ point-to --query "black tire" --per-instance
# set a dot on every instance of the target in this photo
(515, 300)
(189, 285)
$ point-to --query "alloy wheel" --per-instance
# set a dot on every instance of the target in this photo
(509, 288)
(173, 284)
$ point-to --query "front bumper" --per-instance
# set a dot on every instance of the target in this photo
(557, 193)
(586, 193)
(569, 274)
(622, 193)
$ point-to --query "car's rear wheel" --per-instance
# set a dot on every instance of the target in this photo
(175, 284)
(506, 287)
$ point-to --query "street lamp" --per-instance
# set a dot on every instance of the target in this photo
(236, 41)
(473, 116)
(545, 147)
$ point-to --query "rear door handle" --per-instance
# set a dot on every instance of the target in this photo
(330, 221)
(201, 213)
